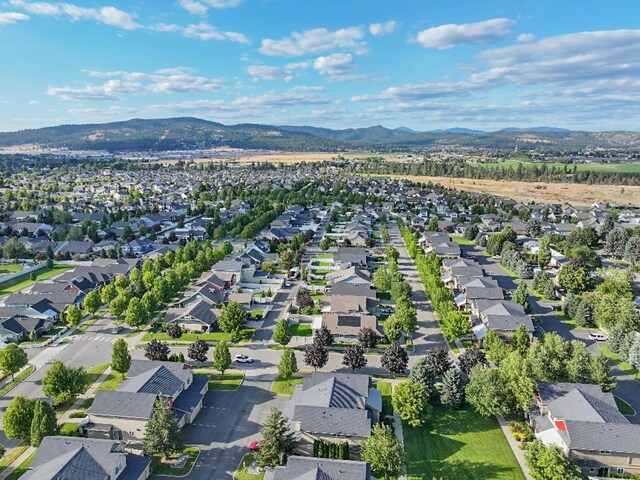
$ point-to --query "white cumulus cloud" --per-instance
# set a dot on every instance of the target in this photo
(107, 15)
(194, 7)
(382, 29)
(452, 35)
(7, 18)
(204, 31)
(317, 40)
(334, 64)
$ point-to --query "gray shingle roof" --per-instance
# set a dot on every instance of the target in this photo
(158, 380)
(612, 437)
(343, 422)
(123, 404)
(303, 468)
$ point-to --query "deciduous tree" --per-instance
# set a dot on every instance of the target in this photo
(120, 358)
(281, 333)
(439, 359)
(157, 350)
(17, 419)
(232, 317)
(470, 358)
(395, 359)
(221, 357)
(63, 383)
(315, 355)
(368, 338)
(410, 403)
(44, 422)
(12, 359)
(323, 336)
(550, 463)
(198, 350)
(383, 451)
(354, 357)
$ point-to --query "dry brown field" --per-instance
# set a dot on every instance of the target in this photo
(578, 194)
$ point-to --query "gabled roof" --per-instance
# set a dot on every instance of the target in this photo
(158, 380)
(308, 468)
(123, 404)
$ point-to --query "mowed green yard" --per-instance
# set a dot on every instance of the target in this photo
(459, 445)
(25, 280)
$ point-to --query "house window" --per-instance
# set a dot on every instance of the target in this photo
(620, 470)
(605, 452)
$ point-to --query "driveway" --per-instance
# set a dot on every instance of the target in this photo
(229, 421)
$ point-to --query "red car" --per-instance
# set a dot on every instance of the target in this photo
(254, 446)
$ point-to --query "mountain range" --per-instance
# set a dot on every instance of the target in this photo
(192, 133)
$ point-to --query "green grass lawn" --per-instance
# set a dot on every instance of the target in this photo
(300, 330)
(457, 444)
(320, 283)
(247, 333)
(581, 167)
(461, 240)
(159, 468)
(232, 379)
(615, 358)
(18, 378)
(385, 389)
(325, 255)
(241, 472)
(624, 407)
(69, 429)
(282, 387)
(113, 381)
(94, 372)
(21, 469)
(10, 268)
(11, 456)
(25, 280)
(255, 313)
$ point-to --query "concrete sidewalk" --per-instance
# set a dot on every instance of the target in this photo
(17, 462)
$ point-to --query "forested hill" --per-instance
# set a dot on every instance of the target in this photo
(193, 133)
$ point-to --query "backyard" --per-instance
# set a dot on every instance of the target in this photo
(25, 280)
(459, 444)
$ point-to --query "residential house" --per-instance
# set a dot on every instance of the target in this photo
(123, 414)
(63, 457)
(503, 316)
(311, 468)
(586, 424)
(334, 406)
(196, 316)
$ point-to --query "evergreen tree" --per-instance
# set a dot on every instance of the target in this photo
(521, 296)
(162, 436)
(544, 253)
(452, 392)
(44, 422)
(278, 441)
(424, 374)
(120, 358)
(281, 333)
(601, 373)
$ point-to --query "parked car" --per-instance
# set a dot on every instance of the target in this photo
(117, 329)
(243, 358)
(598, 337)
(255, 446)
(287, 284)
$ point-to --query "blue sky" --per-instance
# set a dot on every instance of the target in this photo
(422, 64)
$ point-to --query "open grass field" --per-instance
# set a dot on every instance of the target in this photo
(459, 444)
(581, 167)
(25, 280)
(574, 193)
